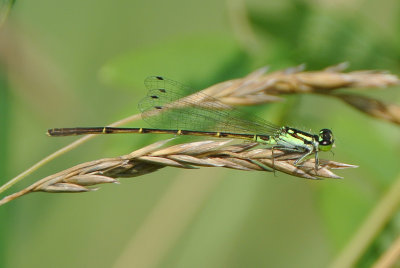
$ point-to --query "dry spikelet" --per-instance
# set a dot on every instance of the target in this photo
(208, 153)
(260, 87)
(373, 107)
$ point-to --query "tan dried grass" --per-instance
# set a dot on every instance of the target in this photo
(208, 153)
(260, 87)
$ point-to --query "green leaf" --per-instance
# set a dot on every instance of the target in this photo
(333, 197)
(5, 7)
(200, 56)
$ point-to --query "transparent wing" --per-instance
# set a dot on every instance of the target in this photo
(166, 106)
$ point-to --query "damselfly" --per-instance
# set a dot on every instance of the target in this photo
(198, 114)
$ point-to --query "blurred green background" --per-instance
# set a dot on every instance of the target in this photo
(82, 63)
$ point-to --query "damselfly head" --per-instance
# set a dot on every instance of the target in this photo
(325, 140)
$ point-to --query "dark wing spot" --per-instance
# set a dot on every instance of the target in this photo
(154, 97)
(158, 107)
(162, 90)
(159, 78)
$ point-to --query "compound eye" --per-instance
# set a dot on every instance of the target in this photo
(326, 135)
(325, 139)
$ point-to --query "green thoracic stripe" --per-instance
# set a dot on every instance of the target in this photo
(305, 137)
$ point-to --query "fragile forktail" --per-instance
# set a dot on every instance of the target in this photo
(202, 115)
